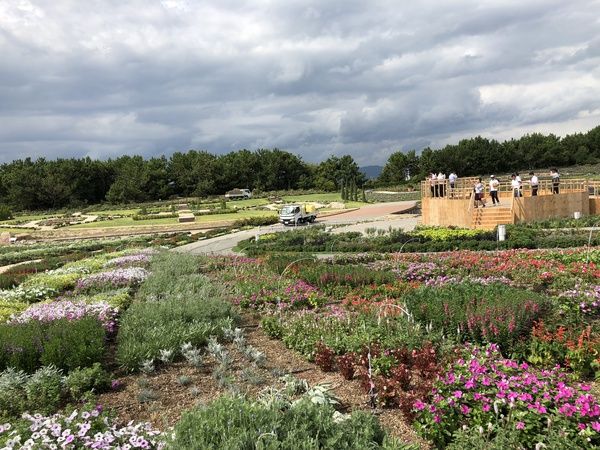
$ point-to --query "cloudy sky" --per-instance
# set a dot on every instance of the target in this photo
(314, 77)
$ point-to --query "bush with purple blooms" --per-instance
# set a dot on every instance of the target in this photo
(86, 428)
(484, 388)
(70, 310)
(112, 279)
(141, 259)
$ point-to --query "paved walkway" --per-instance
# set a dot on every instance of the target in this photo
(370, 216)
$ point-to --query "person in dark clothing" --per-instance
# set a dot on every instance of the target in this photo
(555, 181)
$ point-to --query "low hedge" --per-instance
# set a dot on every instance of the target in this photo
(63, 343)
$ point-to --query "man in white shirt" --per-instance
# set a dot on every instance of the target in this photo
(494, 184)
(441, 179)
(515, 184)
(534, 182)
(520, 184)
(452, 179)
(479, 188)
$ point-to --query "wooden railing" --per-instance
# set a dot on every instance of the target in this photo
(464, 188)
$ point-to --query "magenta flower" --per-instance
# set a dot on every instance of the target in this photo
(419, 405)
(520, 426)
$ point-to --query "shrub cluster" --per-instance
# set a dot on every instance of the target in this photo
(176, 305)
(47, 389)
(234, 422)
(63, 343)
(477, 312)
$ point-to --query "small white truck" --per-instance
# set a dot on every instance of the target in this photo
(238, 194)
(296, 214)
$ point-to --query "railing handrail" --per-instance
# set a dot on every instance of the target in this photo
(463, 187)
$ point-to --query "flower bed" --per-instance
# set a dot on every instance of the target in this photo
(112, 279)
(66, 309)
(484, 388)
(139, 259)
(80, 429)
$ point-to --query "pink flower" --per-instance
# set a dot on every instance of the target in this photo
(458, 394)
(520, 426)
(465, 409)
(419, 405)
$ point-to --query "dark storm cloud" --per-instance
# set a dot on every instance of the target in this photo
(102, 78)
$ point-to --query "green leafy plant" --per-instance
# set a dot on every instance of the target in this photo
(44, 389)
(90, 379)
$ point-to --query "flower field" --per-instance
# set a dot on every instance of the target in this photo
(399, 324)
(468, 349)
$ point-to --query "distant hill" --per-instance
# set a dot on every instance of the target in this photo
(371, 172)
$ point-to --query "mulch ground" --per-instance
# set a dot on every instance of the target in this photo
(169, 397)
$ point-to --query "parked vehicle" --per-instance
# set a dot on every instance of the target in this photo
(296, 214)
(238, 194)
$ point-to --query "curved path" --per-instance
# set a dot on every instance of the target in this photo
(382, 216)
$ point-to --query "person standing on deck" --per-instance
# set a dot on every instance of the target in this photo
(433, 184)
(479, 188)
(494, 184)
(534, 182)
(441, 181)
(452, 179)
(555, 181)
(515, 185)
(520, 184)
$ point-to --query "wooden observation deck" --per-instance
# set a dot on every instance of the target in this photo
(443, 206)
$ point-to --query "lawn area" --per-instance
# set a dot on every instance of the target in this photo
(125, 222)
(247, 203)
(129, 222)
(234, 216)
(15, 230)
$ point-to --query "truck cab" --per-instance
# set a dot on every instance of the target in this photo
(295, 214)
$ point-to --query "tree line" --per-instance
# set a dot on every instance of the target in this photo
(482, 156)
(48, 184)
(27, 184)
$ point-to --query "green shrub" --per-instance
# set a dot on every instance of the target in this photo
(81, 381)
(176, 305)
(56, 281)
(12, 393)
(477, 312)
(148, 327)
(62, 343)
(236, 423)
(70, 345)
(255, 221)
(44, 390)
(327, 276)
(153, 216)
(5, 213)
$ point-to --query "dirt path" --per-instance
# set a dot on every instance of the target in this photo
(10, 266)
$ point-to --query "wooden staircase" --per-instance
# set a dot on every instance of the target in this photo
(489, 217)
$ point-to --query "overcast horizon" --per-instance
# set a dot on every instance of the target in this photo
(316, 78)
